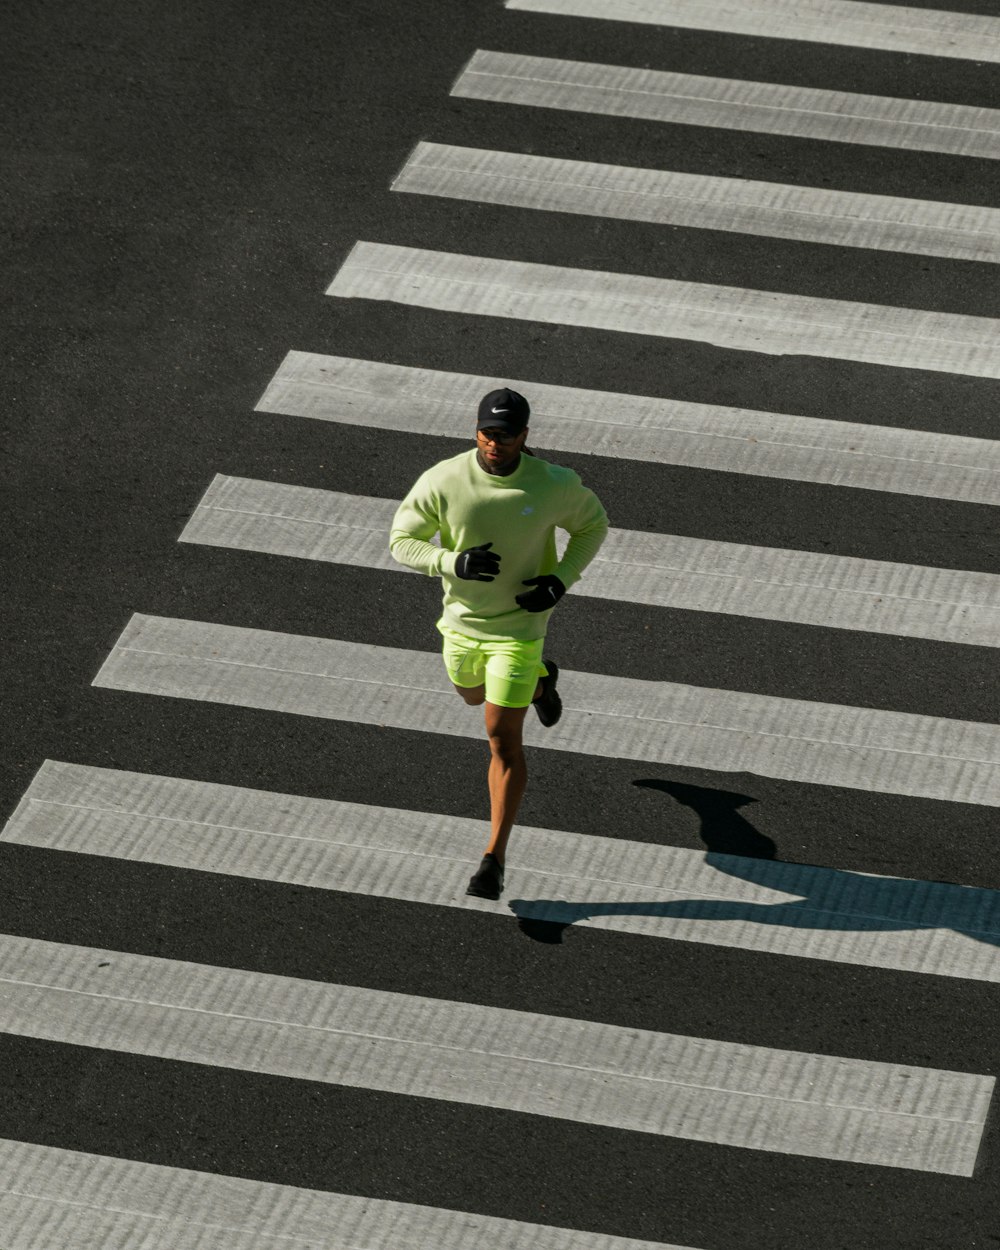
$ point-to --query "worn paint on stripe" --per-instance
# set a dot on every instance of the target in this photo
(754, 1097)
(663, 570)
(53, 1198)
(638, 427)
(846, 219)
(670, 892)
(731, 104)
(615, 717)
(730, 317)
(887, 27)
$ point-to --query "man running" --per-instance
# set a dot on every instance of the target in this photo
(496, 508)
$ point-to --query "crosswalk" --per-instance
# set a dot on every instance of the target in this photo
(740, 319)
(663, 570)
(579, 1070)
(423, 857)
(755, 107)
(834, 451)
(855, 23)
(665, 197)
(606, 1087)
(71, 1198)
(615, 717)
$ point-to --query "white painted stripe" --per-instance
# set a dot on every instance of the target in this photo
(846, 219)
(888, 27)
(52, 1199)
(638, 427)
(613, 717)
(604, 883)
(663, 570)
(730, 317)
(753, 1097)
(731, 104)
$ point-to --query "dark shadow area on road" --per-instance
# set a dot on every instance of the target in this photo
(823, 898)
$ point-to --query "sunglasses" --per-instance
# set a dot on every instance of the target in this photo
(496, 436)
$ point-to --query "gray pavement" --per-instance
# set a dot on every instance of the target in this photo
(180, 187)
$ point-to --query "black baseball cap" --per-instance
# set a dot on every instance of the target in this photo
(503, 410)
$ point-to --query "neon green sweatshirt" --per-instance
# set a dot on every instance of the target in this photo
(518, 514)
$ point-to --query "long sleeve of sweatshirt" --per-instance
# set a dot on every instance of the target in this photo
(519, 515)
(417, 520)
(587, 525)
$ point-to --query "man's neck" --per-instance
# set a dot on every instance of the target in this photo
(495, 471)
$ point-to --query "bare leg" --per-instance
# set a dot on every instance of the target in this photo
(474, 695)
(508, 773)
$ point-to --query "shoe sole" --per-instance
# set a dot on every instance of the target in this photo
(483, 893)
(553, 674)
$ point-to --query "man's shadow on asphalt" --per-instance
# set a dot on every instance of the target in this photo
(825, 898)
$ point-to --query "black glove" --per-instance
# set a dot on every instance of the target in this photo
(475, 563)
(547, 593)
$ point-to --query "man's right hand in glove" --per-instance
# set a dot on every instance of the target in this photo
(477, 564)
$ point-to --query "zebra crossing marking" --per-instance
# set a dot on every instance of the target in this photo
(666, 197)
(51, 1198)
(368, 393)
(663, 570)
(731, 104)
(609, 717)
(734, 318)
(890, 28)
(699, 1089)
(612, 884)
(960, 1108)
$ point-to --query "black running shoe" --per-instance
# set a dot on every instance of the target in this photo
(548, 705)
(487, 880)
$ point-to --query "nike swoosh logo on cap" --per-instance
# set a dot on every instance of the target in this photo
(499, 410)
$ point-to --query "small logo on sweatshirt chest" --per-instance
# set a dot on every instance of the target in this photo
(527, 511)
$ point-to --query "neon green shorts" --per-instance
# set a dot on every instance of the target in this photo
(509, 669)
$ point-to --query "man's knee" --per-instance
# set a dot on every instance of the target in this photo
(504, 726)
(473, 695)
(507, 753)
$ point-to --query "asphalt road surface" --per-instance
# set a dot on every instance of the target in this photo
(244, 1001)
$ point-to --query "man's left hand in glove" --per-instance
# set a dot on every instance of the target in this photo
(548, 590)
